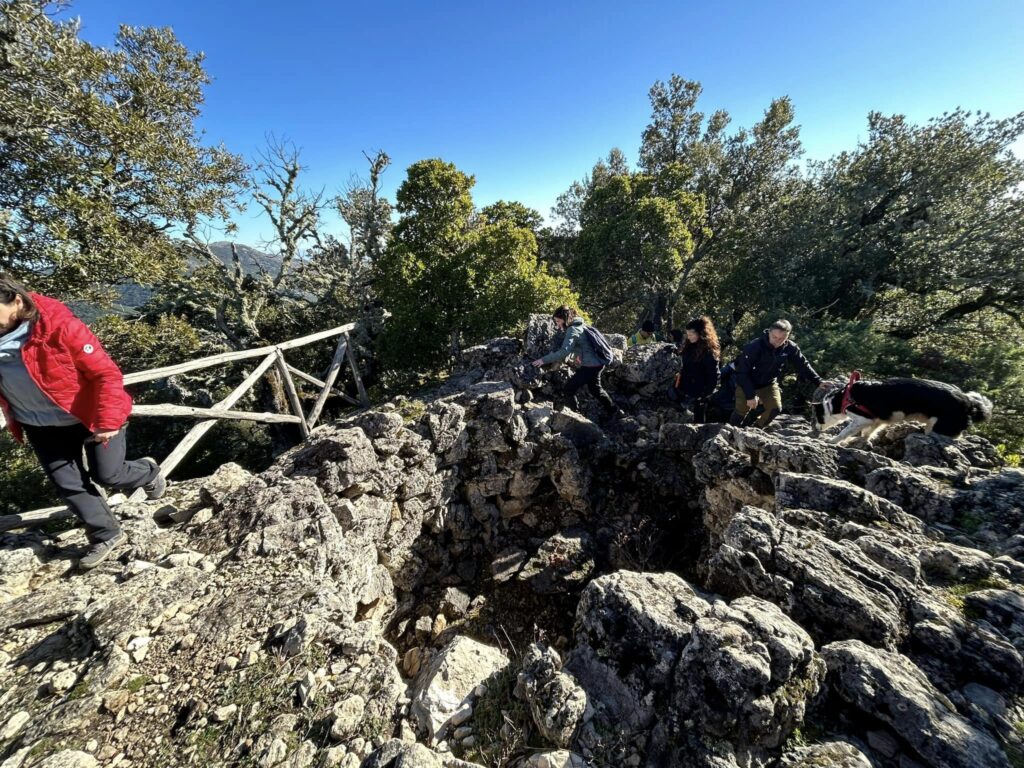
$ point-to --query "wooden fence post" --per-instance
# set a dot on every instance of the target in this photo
(293, 394)
(332, 374)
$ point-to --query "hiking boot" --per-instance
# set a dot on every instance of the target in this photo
(155, 489)
(100, 551)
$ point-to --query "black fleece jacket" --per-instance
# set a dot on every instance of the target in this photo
(759, 364)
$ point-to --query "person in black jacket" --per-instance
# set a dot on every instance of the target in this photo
(699, 374)
(760, 367)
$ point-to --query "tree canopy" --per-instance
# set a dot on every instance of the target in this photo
(451, 277)
(100, 159)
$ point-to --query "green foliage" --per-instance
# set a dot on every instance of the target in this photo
(136, 684)
(1011, 459)
(450, 278)
(138, 345)
(101, 156)
(918, 227)
(632, 245)
(411, 410)
(1014, 755)
(955, 595)
(501, 722)
(838, 346)
(515, 213)
(899, 257)
(23, 480)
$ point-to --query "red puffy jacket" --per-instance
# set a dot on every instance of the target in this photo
(67, 361)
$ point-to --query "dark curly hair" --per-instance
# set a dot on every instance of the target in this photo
(707, 340)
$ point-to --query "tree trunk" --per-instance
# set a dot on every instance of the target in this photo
(273, 398)
(660, 310)
(455, 345)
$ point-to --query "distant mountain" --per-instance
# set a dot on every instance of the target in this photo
(252, 259)
(131, 296)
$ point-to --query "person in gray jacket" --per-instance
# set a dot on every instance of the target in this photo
(578, 344)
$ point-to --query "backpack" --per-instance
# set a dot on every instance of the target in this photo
(599, 344)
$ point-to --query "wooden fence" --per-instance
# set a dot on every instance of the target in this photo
(272, 355)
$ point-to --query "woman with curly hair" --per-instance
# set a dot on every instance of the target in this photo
(699, 375)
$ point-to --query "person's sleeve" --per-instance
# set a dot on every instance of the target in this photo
(97, 366)
(572, 335)
(804, 370)
(710, 374)
(744, 367)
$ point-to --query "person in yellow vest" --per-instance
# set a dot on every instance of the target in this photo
(644, 336)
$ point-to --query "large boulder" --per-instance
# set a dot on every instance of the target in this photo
(646, 369)
(841, 499)
(830, 754)
(888, 687)
(690, 672)
(831, 588)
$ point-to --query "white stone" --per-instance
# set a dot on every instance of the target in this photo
(558, 759)
(69, 758)
(348, 713)
(447, 684)
(14, 725)
(138, 647)
(225, 713)
(275, 754)
(64, 681)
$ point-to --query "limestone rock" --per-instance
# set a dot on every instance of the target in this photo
(69, 758)
(887, 686)
(842, 499)
(558, 705)
(834, 754)
(348, 713)
(831, 588)
(450, 679)
(558, 759)
(564, 562)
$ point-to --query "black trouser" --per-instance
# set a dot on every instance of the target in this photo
(591, 377)
(60, 452)
(697, 405)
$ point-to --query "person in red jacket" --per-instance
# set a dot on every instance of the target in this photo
(61, 390)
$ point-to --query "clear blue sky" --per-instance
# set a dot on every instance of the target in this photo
(526, 95)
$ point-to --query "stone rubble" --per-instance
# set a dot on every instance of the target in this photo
(480, 579)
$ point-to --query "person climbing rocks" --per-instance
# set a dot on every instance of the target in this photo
(698, 376)
(591, 350)
(759, 369)
(644, 336)
(60, 389)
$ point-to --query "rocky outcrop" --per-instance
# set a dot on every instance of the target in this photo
(675, 672)
(481, 577)
(889, 687)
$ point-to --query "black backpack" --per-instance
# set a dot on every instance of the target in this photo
(600, 344)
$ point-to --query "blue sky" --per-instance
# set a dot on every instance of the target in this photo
(527, 95)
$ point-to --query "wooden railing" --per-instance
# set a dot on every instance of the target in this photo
(272, 355)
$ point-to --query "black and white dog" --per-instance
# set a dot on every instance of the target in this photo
(873, 405)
